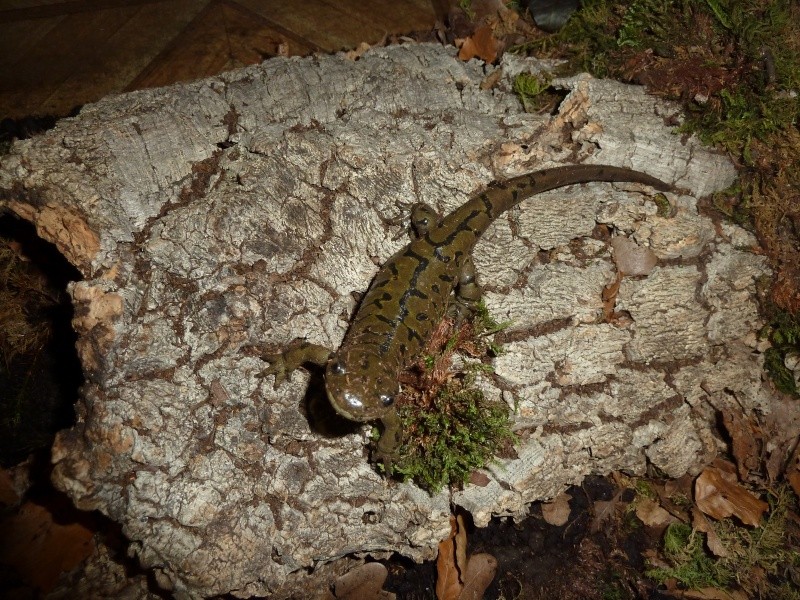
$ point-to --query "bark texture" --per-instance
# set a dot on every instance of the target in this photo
(243, 210)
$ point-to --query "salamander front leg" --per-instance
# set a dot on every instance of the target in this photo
(299, 352)
(467, 293)
(423, 217)
(389, 442)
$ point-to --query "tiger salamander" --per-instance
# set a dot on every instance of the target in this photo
(414, 290)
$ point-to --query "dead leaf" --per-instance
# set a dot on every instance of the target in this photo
(481, 44)
(480, 572)
(603, 511)
(701, 523)
(39, 548)
(653, 514)
(557, 512)
(451, 559)
(744, 445)
(708, 593)
(491, 79)
(363, 583)
(718, 497)
(794, 481)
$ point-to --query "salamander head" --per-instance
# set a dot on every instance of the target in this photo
(360, 386)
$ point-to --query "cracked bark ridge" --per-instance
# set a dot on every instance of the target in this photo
(244, 210)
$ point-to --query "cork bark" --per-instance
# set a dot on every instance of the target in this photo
(243, 211)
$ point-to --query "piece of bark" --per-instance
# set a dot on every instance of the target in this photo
(245, 209)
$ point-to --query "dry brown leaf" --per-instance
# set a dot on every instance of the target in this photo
(357, 52)
(653, 514)
(557, 512)
(744, 444)
(603, 511)
(363, 583)
(39, 548)
(480, 572)
(794, 481)
(701, 523)
(448, 586)
(708, 594)
(461, 547)
(452, 561)
(718, 497)
(481, 44)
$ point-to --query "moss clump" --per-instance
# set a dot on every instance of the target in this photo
(534, 92)
(783, 332)
(692, 566)
(754, 556)
(449, 427)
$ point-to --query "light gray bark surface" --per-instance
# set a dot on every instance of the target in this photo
(245, 209)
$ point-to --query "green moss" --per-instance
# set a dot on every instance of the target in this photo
(449, 427)
(459, 433)
(663, 205)
(783, 332)
(533, 91)
(751, 553)
(692, 565)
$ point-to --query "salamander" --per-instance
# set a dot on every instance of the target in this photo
(433, 275)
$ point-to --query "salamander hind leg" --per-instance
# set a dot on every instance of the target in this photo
(467, 293)
(298, 353)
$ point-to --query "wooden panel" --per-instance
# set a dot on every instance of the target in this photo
(88, 55)
(398, 16)
(121, 57)
(324, 25)
(224, 36)
(18, 39)
(56, 54)
(22, 10)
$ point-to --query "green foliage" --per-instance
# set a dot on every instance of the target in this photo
(450, 428)
(648, 24)
(692, 566)
(531, 90)
(466, 6)
(459, 433)
(751, 552)
(783, 332)
(485, 325)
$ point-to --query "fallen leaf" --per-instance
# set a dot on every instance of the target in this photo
(701, 523)
(794, 481)
(481, 570)
(363, 583)
(479, 478)
(39, 548)
(708, 593)
(557, 512)
(603, 511)
(448, 578)
(481, 44)
(718, 497)
(653, 514)
(356, 53)
(744, 445)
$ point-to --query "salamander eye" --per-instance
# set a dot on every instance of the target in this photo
(386, 400)
(338, 368)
